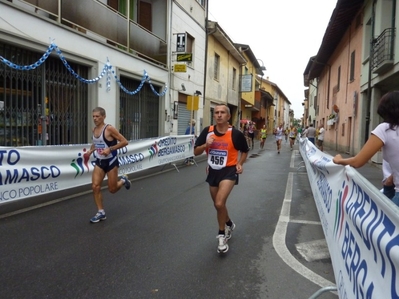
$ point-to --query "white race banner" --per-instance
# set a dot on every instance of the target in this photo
(38, 170)
(360, 224)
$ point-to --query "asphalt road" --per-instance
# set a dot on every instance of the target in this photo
(159, 239)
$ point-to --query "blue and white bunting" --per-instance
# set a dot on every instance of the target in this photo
(107, 70)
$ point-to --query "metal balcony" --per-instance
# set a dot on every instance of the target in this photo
(383, 51)
(101, 22)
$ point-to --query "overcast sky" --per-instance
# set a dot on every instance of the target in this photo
(284, 34)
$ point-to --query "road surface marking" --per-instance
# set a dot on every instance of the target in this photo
(313, 250)
(279, 240)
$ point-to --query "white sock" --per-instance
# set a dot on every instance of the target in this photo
(101, 211)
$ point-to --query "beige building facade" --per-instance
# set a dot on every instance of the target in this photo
(379, 62)
(224, 63)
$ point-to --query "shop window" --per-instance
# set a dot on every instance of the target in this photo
(30, 117)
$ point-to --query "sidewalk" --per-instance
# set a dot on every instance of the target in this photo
(371, 171)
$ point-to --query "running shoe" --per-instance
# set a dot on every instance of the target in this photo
(98, 217)
(228, 230)
(222, 246)
(126, 181)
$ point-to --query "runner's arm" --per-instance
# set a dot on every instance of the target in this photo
(200, 143)
(114, 133)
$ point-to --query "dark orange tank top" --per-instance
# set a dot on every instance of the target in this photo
(222, 152)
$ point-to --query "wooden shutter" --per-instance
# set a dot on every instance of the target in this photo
(145, 15)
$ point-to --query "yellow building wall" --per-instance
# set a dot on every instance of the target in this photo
(220, 90)
(249, 69)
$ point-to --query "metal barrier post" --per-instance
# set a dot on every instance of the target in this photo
(300, 167)
(321, 291)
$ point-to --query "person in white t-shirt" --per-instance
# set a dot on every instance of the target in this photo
(388, 188)
(320, 137)
(385, 136)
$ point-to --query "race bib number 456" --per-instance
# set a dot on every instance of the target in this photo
(217, 159)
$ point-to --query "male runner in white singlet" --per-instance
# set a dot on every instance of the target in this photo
(106, 142)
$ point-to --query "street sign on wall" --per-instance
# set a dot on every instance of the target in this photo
(192, 103)
(184, 57)
(180, 68)
(181, 42)
(246, 83)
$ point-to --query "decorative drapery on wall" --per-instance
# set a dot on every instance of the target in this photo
(107, 70)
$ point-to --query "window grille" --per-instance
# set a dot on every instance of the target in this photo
(30, 116)
(139, 113)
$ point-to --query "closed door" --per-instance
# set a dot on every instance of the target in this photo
(145, 15)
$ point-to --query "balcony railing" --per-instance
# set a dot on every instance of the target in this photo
(383, 51)
(103, 23)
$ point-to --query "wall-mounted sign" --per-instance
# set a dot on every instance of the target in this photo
(185, 57)
(246, 83)
(181, 42)
(180, 68)
(192, 103)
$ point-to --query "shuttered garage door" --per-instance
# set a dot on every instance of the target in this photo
(183, 120)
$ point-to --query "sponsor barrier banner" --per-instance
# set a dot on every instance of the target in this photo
(360, 224)
(33, 170)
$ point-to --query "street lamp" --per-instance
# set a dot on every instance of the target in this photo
(262, 67)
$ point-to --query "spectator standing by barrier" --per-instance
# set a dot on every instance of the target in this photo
(311, 133)
(385, 136)
(305, 132)
(320, 137)
(387, 181)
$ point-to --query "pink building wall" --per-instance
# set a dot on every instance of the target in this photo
(336, 87)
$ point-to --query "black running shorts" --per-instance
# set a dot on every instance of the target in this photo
(105, 164)
(226, 173)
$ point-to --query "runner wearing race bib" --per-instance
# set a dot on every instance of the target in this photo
(227, 150)
(263, 135)
(292, 136)
(279, 132)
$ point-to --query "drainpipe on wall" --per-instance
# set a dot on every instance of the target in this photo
(169, 63)
(59, 12)
(367, 131)
(206, 53)
(393, 18)
(350, 140)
